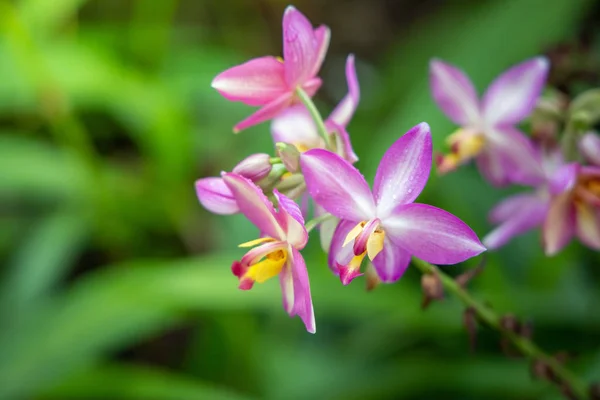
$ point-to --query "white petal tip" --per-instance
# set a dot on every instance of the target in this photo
(289, 9)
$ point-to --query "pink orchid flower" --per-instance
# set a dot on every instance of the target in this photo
(488, 131)
(565, 204)
(385, 224)
(270, 82)
(277, 251)
(296, 126)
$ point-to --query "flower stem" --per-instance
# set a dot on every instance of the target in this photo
(316, 116)
(525, 345)
(310, 225)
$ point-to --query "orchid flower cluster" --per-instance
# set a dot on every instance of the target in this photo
(313, 165)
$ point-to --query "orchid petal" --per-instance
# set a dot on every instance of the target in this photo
(391, 263)
(295, 290)
(290, 217)
(294, 125)
(342, 142)
(255, 83)
(312, 85)
(590, 147)
(299, 47)
(564, 178)
(254, 205)
(559, 226)
(215, 196)
(432, 234)
(336, 185)
(509, 157)
(404, 170)
(512, 96)
(588, 225)
(265, 113)
(338, 253)
(322, 35)
(453, 92)
(344, 111)
(517, 215)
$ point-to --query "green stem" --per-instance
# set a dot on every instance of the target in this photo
(310, 225)
(316, 116)
(525, 345)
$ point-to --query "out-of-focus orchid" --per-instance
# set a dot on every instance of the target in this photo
(488, 131)
(277, 251)
(590, 147)
(296, 126)
(386, 225)
(270, 82)
(565, 204)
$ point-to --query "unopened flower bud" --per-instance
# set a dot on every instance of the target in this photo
(290, 156)
(254, 167)
(292, 185)
(432, 288)
(273, 178)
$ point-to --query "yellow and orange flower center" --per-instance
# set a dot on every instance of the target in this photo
(464, 144)
(587, 190)
(258, 266)
(368, 238)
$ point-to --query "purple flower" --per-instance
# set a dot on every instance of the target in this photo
(385, 224)
(488, 131)
(277, 251)
(270, 82)
(296, 126)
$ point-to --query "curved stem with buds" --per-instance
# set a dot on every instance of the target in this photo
(525, 345)
(315, 114)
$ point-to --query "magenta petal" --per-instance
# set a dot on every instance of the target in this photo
(564, 178)
(512, 96)
(299, 47)
(432, 234)
(337, 186)
(255, 83)
(391, 262)
(559, 226)
(453, 92)
(294, 125)
(509, 157)
(590, 147)
(338, 253)
(517, 215)
(254, 205)
(295, 290)
(404, 170)
(265, 113)
(342, 142)
(290, 218)
(215, 196)
(343, 112)
(322, 36)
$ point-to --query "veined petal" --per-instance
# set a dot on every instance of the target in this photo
(453, 92)
(404, 170)
(337, 186)
(254, 205)
(343, 112)
(509, 157)
(518, 215)
(590, 147)
(215, 196)
(265, 113)
(295, 289)
(299, 47)
(322, 36)
(391, 263)
(290, 218)
(432, 234)
(512, 96)
(559, 226)
(255, 83)
(338, 253)
(588, 224)
(294, 125)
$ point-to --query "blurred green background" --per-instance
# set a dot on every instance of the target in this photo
(116, 283)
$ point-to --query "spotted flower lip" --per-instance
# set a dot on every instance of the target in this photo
(488, 131)
(277, 251)
(388, 225)
(270, 83)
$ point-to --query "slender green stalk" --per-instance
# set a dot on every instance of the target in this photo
(310, 225)
(316, 116)
(525, 345)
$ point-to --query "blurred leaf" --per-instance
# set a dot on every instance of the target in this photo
(116, 381)
(44, 16)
